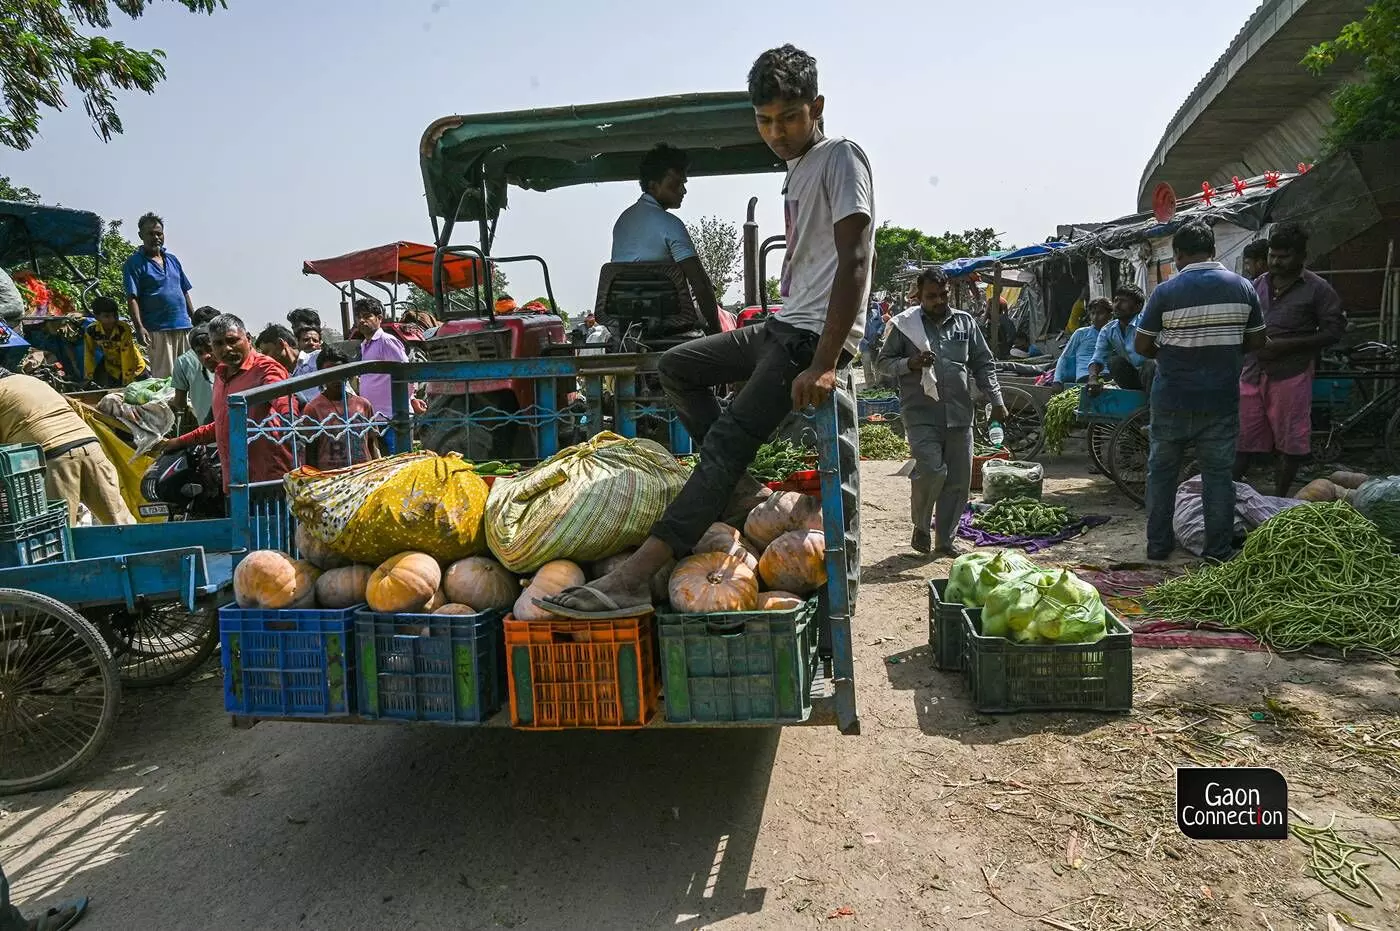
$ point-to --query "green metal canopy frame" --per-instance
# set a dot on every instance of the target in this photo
(469, 161)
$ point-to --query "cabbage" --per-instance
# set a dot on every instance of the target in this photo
(1050, 606)
(973, 575)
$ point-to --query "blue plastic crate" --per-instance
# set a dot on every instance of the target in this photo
(38, 540)
(887, 407)
(754, 666)
(446, 668)
(1111, 404)
(297, 663)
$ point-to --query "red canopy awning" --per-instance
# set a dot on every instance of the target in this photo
(396, 262)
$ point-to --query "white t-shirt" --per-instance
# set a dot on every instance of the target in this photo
(826, 185)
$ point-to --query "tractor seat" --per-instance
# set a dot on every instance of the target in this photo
(652, 295)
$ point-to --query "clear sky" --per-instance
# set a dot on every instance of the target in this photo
(288, 129)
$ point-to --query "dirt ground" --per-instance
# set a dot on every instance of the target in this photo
(934, 817)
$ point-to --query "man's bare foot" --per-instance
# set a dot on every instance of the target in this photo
(624, 592)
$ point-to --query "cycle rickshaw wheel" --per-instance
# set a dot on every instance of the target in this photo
(1024, 427)
(1127, 456)
(1100, 437)
(59, 691)
(163, 643)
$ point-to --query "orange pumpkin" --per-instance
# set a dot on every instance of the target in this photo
(795, 562)
(549, 580)
(317, 553)
(779, 601)
(404, 583)
(435, 602)
(481, 582)
(722, 538)
(342, 588)
(712, 582)
(273, 579)
(781, 512)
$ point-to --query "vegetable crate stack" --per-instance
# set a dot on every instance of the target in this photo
(1027, 638)
(33, 530)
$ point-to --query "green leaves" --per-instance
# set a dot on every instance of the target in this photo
(1367, 110)
(898, 246)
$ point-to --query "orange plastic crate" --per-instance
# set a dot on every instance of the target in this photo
(581, 674)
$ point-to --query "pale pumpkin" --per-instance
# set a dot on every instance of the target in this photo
(457, 609)
(437, 601)
(273, 579)
(481, 582)
(779, 601)
(553, 577)
(404, 583)
(795, 562)
(525, 608)
(343, 588)
(713, 582)
(722, 538)
(317, 553)
(780, 513)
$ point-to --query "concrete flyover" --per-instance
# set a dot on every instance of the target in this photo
(1257, 109)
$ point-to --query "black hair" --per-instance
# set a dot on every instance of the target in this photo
(329, 356)
(368, 305)
(303, 317)
(148, 219)
(274, 332)
(104, 305)
(934, 274)
(785, 73)
(199, 335)
(659, 162)
(1100, 303)
(1194, 238)
(303, 330)
(1289, 237)
(1257, 251)
(1130, 291)
(202, 315)
(226, 323)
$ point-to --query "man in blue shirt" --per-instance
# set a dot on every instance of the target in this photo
(158, 297)
(1078, 355)
(1198, 326)
(870, 343)
(648, 232)
(1115, 352)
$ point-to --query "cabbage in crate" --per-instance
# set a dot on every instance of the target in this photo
(973, 575)
(1049, 606)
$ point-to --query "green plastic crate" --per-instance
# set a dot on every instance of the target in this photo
(22, 474)
(754, 666)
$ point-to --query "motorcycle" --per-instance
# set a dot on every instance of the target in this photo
(189, 482)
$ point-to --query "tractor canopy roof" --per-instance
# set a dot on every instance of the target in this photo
(395, 263)
(30, 231)
(540, 150)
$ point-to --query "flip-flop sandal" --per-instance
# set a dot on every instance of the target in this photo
(613, 612)
(49, 920)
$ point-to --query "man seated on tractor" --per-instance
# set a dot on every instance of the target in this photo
(790, 361)
(648, 232)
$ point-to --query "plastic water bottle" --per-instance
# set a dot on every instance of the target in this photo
(996, 434)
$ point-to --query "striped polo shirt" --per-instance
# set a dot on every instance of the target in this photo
(1199, 319)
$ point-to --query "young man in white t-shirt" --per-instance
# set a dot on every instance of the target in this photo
(789, 361)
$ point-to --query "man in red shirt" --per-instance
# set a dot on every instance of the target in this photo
(241, 368)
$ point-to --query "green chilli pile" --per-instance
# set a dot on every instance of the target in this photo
(1059, 419)
(1315, 574)
(1023, 517)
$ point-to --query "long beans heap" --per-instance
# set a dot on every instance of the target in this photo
(1317, 573)
(1059, 419)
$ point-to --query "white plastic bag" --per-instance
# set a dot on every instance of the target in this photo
(1007, 478)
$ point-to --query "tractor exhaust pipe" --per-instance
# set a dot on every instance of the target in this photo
(751, 282)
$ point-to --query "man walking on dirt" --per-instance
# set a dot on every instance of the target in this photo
(790, 361)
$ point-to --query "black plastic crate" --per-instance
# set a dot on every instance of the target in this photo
(945, 627)
(38, 540)
(1005, 676)
(22, 472)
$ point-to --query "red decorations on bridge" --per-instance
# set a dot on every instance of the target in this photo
(1271, 179)
(1304, 168)
(1239, 185)
(1207, 193)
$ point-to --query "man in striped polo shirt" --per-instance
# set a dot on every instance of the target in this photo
(1198, 326)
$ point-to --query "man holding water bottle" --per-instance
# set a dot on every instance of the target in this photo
(934, 353)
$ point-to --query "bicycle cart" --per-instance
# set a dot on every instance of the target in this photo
(93, 609)
(1116, 419)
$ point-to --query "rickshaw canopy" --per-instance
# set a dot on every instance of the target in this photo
(28, 231)
(544, 149)
(397, 262)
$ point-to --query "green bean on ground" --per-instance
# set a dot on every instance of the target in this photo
(1060, 418)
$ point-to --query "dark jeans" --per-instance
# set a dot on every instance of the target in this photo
(1135, 377)
(1214, 436)
(766, 357)
(10, 918)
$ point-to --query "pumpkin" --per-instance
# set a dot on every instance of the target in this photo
(712, 582)
(317, 553)
(457, 609)
(435, 602)
(780, 513)
(779, 601)
(273, 579)
(553, 577)
(481, 582)
(795, 562)
(610, 563)
(722, 538)
(342, 588)
(525, 608)
(1319, 489)
(404, 583)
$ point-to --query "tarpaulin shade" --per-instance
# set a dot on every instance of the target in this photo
(48, 230)
(396, 262)
(968, 265)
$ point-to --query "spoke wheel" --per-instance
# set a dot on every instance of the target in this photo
(161, 644)
(59, 691)
(1127, 456)
(1100, 438)
(1024, 426)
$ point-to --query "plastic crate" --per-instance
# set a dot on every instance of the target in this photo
(753, 666)
(803, 481)
(430, 667)
(945, 627)
(296, 663)
(1006, 676)
(22, 473)
(38, 540)
(977, 462)
(884, 407)
(581, 674)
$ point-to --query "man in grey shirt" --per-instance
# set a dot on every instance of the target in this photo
(948, 344)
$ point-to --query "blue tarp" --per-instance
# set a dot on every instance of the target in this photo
(966, 266)
(50, 230)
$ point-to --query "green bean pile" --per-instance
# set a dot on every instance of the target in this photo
(1059, 419)
(1023, 517)
(878, 441)
(877, 394)
(1317, 573)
